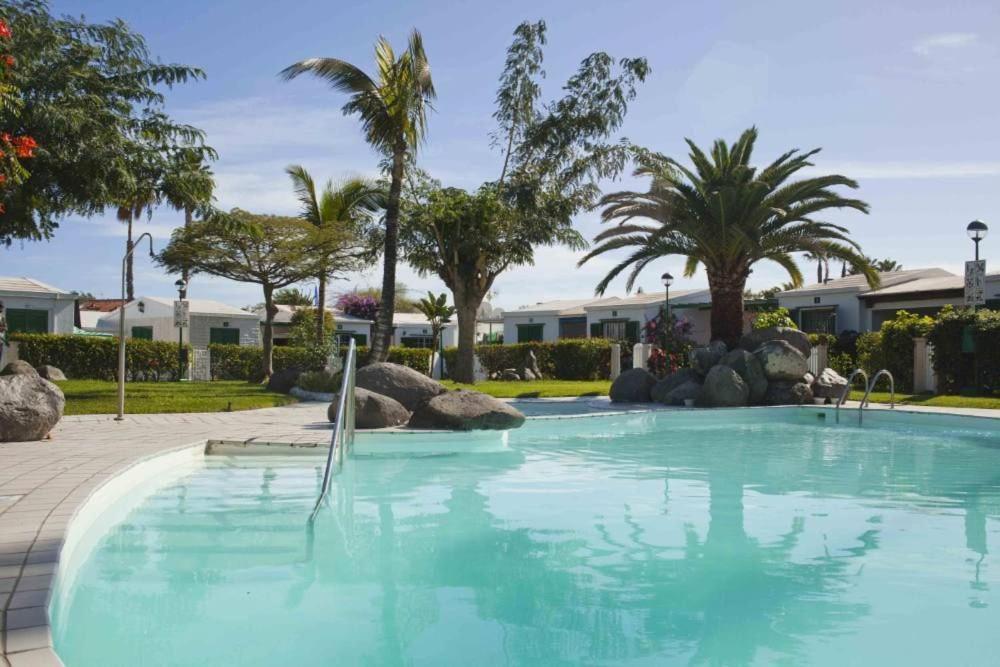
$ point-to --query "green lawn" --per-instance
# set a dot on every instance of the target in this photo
(93, 397)
(990, 402)
(537, 388)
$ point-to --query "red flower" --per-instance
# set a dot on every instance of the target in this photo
(4, 30)
(9, 60)
(3, 178)
(25, 146)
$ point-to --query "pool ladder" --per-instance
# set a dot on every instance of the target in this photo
(868, 390)
(343, 429)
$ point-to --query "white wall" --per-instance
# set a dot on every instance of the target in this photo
(550, 332)
(198, 334)
(849, 307)
(60, 311)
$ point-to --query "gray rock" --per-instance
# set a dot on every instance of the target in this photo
(723, 388)
(282, 381)
(794, 337)
(531, 371)
(703, 358)
(788, 393)
(632, 386)
(509, 375)
(682, 392)
(19, 367)
(663, 388)
(528, 374)
(829, 384)
(399, 382)
(372, 410)
(30, 407)
(781, 361)
(809, 378)
(51, 373)
(465, 411)
(749, 368)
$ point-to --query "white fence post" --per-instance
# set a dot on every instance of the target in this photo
(640, 354)
(924, 378)
(616, 360)
(201, 366)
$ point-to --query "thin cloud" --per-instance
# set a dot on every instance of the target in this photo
(946, 41)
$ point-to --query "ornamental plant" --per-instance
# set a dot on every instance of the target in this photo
(779, 317)
(357, 305)
(13, 147)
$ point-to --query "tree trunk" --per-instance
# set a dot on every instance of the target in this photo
(819, 270)
(320, 310)
(435, 349)
(382, 335)
(188, 219)
(727, 309)
(466, 307)
(129, 286)
(270, 310)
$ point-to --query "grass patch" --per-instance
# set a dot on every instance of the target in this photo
(537, 388)
(98, 397)
(933, 400)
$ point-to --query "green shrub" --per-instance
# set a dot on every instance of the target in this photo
(417, 358)
(568, 359)
(897, 345)
(236, 362)
(96, 357)
(870, 355)
(842, 362)
(778, 317)
(986, 335)
(830, 340)
(320, 382)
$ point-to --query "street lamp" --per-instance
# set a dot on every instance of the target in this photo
(977, 231)
(121, 326)
(668, 280)
(181, 286)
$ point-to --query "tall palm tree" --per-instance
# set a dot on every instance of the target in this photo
(143, 199)
(727, 215)
(393, 108)
(189, 183)
(342, 205)
(822, 266)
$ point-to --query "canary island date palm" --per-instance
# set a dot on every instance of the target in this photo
(392, 107)
(347, 205)
(726, 215)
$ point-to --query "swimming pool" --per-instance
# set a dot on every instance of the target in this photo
(747, 536)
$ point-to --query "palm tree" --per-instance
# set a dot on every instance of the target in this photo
(822, 266)
(341, 205)
(142, 200)
(438, 313)
(189, 184)
(393, 111)
(727, 215)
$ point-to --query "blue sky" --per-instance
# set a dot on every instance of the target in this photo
(901, 95)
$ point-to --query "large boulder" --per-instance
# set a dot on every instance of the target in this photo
(665, 386)
(781, 361)
(723, 388)
(788, 393)
(749, 368)
(682, 392)
(829, 384)
(465, 411)
(29, 407)
(372, 410)
(529, 368)
(797, 339)
(703, 358)
(632, 386)
(282, 381)
(19, 367)
(399, 382)
(51, 373)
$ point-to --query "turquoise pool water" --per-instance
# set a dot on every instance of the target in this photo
(741, 537)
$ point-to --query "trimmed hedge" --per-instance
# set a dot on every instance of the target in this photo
(96, 357)
(568, 359)
(237, 362)
(957, 369)
(897, 345)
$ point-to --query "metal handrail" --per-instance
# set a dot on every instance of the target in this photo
(343, 428)
(871, 385)
(847, 390)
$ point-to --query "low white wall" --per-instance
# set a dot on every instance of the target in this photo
(60, 311)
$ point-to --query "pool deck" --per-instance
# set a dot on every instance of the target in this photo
(42, 485)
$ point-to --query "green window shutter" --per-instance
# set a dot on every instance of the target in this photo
(595, 329)
(23, 320)
(529, 333)
(142, 333)
(632, 331)
(223, 336)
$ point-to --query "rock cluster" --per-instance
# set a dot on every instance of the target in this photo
(770, 367)
(30, 405)
(389, 395)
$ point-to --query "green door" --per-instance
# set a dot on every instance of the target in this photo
(529, 333)
(142, 333)
(22, 320)
(223, 336)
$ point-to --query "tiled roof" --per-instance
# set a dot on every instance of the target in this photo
(101, 305)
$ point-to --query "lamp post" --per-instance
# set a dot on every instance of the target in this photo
(977, 231)
(121, 326)
(668, 280)
(181, 295)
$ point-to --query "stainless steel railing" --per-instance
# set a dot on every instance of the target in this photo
(343, 428)
(871, 385)
(847, 390)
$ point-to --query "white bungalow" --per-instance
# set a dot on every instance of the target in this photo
(152, 318)
(31, 306)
